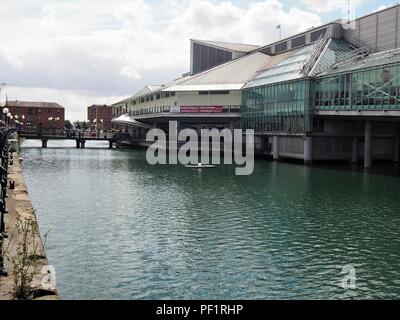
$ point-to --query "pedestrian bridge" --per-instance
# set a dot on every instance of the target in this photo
(79, 137)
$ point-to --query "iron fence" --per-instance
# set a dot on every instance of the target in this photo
(4, 161)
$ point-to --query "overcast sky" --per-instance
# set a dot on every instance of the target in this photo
(79, 53)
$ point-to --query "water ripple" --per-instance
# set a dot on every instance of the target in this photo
(121, 229)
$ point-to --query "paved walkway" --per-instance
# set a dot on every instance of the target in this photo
(20, 206)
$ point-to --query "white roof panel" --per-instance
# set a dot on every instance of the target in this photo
(237, 47)
(233, 74)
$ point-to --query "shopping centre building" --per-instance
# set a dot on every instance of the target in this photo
(330, 93)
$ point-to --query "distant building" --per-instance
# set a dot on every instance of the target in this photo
(99, 117)
(45, 115)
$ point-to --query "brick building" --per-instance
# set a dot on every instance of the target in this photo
(99, 117)
(45, 115)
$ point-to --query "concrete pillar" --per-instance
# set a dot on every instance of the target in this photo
(308, 158)
(354, 158)
(44, 143)
(396, 150)
(275, 148)
(368, 145)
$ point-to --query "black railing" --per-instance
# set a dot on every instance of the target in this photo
(4, 160)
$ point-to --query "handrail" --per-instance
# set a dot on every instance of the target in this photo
(319, 47)
(5, 133)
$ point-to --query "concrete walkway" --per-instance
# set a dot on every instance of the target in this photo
(20, 207)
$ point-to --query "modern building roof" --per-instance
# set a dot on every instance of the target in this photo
(30, 104)
(237, 47)
(373, 60)
(128, 120)
(284, 67)
(232, 75)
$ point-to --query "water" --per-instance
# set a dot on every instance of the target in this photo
(121, 229)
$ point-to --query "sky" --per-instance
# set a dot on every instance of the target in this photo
(84, 52)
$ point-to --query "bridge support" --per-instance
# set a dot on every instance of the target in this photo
(44, 143)
(368, 145)
(396, 150)
(354, 157)
(308, 158)
(275, 148)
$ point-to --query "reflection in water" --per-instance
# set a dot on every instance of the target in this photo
(121, 229)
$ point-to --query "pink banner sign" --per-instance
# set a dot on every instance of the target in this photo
(202, 109)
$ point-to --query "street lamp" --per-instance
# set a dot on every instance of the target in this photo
(5, 111)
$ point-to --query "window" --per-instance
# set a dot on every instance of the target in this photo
(299, 41)
(267, 51)
(281, 47)
(317, 34)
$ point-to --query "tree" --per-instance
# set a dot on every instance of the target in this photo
(68, 125)
(84, 125)
(77, 125)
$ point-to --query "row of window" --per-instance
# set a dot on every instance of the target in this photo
(374, 89)
(292, 124)
(277, 108)
(296, 42)
(149, 98)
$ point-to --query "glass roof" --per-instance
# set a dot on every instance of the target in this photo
(288, 69)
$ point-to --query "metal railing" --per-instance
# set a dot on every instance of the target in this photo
(67, 134)
(317, 50)
(168, 110)
(4, 161)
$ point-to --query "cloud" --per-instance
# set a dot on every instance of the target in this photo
(324, 6)
(113, 48)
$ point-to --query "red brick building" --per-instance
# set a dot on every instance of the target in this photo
(45, 115)
(99, 117)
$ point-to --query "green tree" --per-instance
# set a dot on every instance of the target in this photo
(68, 125)
(84, 125)
(77, 125)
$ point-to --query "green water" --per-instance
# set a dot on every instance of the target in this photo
(122, 229)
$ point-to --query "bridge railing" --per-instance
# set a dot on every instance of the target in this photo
(4, 160)
(67, 134)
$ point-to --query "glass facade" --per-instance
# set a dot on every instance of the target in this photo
(281, 108)
(287, 107)
(368, 89)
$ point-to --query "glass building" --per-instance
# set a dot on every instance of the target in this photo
(370, 84)
(283, 100)
(278, 98)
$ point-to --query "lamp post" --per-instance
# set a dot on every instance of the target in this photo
(5, 112)
(9, 116)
